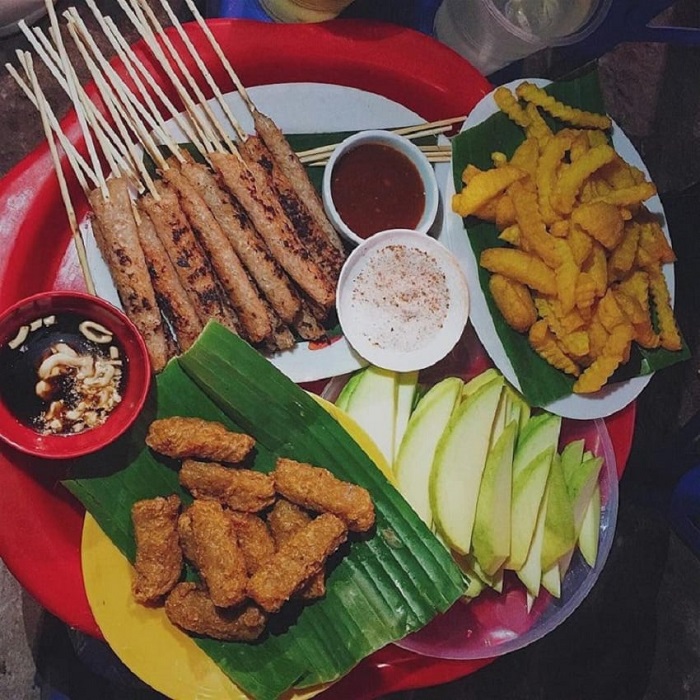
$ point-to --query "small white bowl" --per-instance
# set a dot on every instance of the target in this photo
(404, 146)
(402, 300)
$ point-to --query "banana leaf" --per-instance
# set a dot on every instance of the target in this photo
(385, 585)
(540, 382)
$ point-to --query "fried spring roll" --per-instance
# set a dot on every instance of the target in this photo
(209, 542)
(242, 293)
(251, 249)
(181, 437)
(314, 238)
(191, 609)
(295, 171)
(158, 562)
(248, 183)
(187, 256)
(117, 238)
(296, 561)
(284, 520)
(172, 298)
(240, 489)
(319, 490)
(254, 539)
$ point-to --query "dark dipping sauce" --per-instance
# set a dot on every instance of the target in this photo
(61, 374)
(376, 187)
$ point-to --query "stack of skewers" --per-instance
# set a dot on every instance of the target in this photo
(238, 235)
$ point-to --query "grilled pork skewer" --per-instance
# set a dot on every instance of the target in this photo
(268, 275)
(172, 298)
(117, 237)
(187, 256)
(248, 184)
(297, 176)
(243, 295)
(307, 227)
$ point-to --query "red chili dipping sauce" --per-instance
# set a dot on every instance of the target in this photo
(375, 187)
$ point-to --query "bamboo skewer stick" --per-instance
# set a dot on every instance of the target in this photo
(65, 195)
(144, 7)
(411, 132)
(435, 154)
(150, 39)
(235, 124)
(117, 101)
(222, 57)
(72, 81)
(81, 167)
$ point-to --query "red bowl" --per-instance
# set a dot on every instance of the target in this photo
(137, 370)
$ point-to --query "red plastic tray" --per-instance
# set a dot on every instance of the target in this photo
(40, 537)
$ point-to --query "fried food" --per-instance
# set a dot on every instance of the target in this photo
(191, 609)
(484, 186)
(181, 437)
(158, 562)
(576, 117)
(254, 539)
(296, 561)
(209, 542)
(580, 247)
(240, 489)
(520, 266)
(284, 520)
(319, 490)
(514, 301)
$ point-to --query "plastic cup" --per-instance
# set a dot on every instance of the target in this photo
(304, 10)
(490, 34)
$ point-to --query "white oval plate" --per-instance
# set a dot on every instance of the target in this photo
(336, 108)
(613, 397)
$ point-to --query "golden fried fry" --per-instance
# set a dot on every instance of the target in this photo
(511, 235)
(296, 561)
(191, 609)
(597, 374)
(483, 187)
(508, 103)
(239, 489)
(623, 256)
(571, 115)
(585, 291)
(526, 157)
(545, 344)
(602, 221)
(180, 438)
(158, 562)
(571, 180)
(597, 267)
(533, 233)
(319, 490)
(520, 266)
(548, 166)
(538, 128)
(580, 243)
(628, 196)
(566, 276)
(653, 241)
(505, 211)
(668, 328)
(514, 301)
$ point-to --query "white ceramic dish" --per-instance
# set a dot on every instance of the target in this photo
(402, 300)
(400, 144)
(336, 108)
(612, 398)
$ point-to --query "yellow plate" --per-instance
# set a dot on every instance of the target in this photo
(143, 638)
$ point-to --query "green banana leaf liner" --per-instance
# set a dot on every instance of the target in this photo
(539, 381)
(381, 586)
